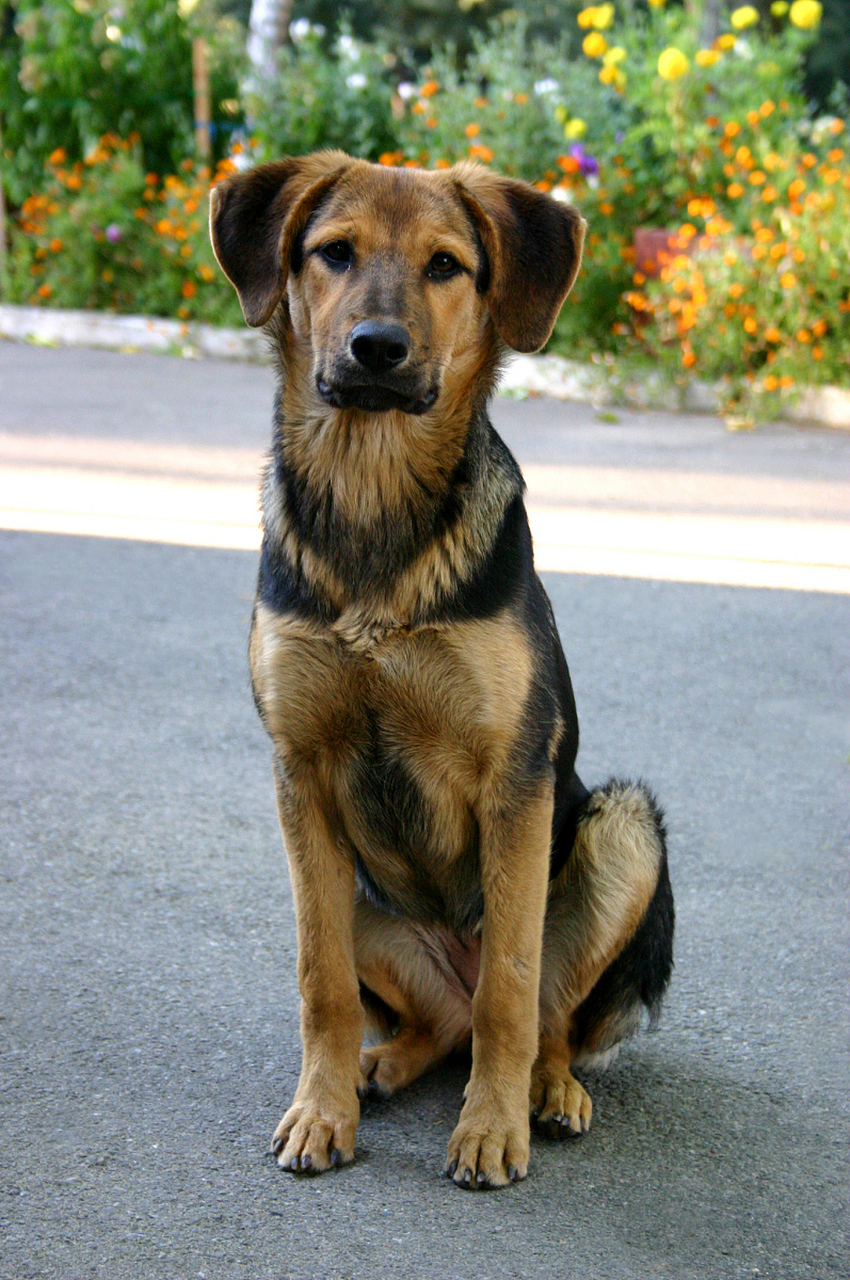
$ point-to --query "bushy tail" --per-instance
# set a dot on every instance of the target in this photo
(637, 979)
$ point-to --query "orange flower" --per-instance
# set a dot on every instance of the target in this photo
(809, 160)
(482, 153)
(55, 245)
(606, 208)
(803, 335)
(206, 272)
(189, 289)
(688, 357)
(59, 156)
(44, 290)
(756, 178)
(817, 353)
(389, 158)
(480, 103)
(151, 179)
(796, 188)
(772, 334)
(767, 109)
(442, 164)
(750, 325)
(418, 108)
(734, 190)
(819, 328)
(788, 280)
(769, 193)
(543, 185)
(472, 130)
(735, 290)
(521, 98)
(752, 118)
(835, 155)
(428, 89)
(786, 381)
(732, 129)
(771, 382)
(73, 182)
(431, 122)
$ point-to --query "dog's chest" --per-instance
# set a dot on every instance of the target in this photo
(408, 742)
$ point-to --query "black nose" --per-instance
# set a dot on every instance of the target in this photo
(379, 347)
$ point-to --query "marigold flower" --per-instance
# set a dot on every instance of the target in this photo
(771, 382)
(442, 164)
(726, 41)
(735, 290)
(672, 64)
(734, 190)
(603, 16)
(206, 272)
(798, 255)
(786, 381)
(746, 16)
(594, 45)
(772, 334)
(428, 89)
(706, 57)
(732, 129)
(817, 353)
(151, 180)
(756, 178)
(614, 56)
(608, 74)
(836, 126)
(482, 153)
(189, 289)
(44, 291)
(819, 328)
(657, 4)
(769, 193)
(688, 358)
(806, 14)
(55, 245)
(767, 109)
(831, 176)
(606, 208)
(521, 98)
(779, 8)
(480, 103)
(764, 234)
(73, 182)
(750, 325)
(543, 185)
(788, 280)
(59, 156)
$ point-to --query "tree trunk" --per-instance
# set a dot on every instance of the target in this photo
(267, 30)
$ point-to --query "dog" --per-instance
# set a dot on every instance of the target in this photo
(453, 878)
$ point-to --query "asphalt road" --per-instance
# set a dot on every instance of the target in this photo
(148, 1006)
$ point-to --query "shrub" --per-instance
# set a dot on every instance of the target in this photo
(104, 234)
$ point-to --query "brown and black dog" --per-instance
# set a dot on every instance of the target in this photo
(453, 879)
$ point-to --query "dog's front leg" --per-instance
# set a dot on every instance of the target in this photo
(489, 1147)
(318, 1129)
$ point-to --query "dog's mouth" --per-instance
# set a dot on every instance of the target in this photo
(375, 397)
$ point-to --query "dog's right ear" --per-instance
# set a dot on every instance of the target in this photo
(255, 219)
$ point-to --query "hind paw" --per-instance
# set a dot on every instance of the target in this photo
(560, 1106)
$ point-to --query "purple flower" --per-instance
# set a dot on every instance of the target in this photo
(113, 233)
(586, 163)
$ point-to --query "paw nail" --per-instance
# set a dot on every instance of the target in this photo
(306, 1162)
(293, 1164)
(334, 1156)
(481, 1177)
(512, 1173)
(467, 1177)
(452, 1169)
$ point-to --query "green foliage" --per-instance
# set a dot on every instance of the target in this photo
(72, 70)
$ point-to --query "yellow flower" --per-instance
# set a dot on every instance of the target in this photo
(672, 64)
(657, 4)
(707, 57)
(726, 41)
(603, 17)
(594, 45)
(744, 17)
(614, 56)
(575, 129)
(806, 14)
(788, 280)
(608, 74)
(779, 8)
(585, 18)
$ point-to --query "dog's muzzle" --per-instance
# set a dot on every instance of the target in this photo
(375, 374)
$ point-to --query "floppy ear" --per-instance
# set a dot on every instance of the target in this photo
(533, 245)
(255, 218)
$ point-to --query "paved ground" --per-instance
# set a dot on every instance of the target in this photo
(149, 1012)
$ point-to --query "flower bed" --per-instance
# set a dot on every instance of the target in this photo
(710, 142)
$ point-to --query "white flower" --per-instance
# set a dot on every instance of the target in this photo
(299, 29)
(744, 49)
(559, 194)
(349, 48)
(356, 81)
(546, 86)
(405, 90)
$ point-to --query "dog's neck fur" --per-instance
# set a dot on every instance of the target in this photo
(367, 508)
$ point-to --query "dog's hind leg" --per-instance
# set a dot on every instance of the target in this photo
(607, 947)
(404, 972)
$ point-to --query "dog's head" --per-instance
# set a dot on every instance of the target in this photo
(393, 275)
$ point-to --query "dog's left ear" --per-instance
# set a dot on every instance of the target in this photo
(533, 246)
(255, 220)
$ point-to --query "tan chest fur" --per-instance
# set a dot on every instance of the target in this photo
(408, 742)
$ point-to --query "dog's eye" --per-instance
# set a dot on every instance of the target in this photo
(338, 253)
(442, 266)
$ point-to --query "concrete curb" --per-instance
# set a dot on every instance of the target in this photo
(598, 384)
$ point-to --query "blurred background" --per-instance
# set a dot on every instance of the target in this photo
(705, 143)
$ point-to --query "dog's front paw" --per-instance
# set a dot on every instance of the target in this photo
(315, 1136)
(489, 1148)
(560, 1106)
